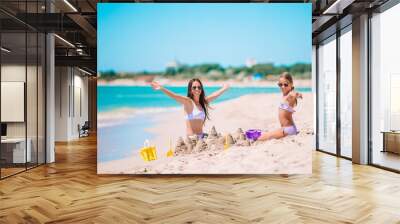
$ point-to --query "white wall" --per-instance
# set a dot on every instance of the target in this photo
(62, 82)
(13, 101)
(33, 127)
(12, 73)
(80, 110)
(71, 87)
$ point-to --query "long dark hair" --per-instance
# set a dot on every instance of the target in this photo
(202, 100)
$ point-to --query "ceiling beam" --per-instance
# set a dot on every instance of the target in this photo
(77, 61)
(84, 24)
(338, 6)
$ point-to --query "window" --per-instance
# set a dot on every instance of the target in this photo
(346, 92)
(23, 77)
(327, 95)
(385, 88)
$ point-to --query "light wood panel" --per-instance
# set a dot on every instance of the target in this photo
(70, 191)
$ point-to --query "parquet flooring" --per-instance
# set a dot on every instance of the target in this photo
(10, 171)
(70, 191)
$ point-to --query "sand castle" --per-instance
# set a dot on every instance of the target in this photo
(180, 147)
(200, 146)
(241, 139)
(190, 144)
(213, 142)
(229, 140)
(237, 134)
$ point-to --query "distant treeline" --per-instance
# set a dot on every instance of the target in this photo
(217, 72)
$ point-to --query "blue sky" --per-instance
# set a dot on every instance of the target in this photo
(135, 37)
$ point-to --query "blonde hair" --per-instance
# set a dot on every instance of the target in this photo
(287, 76)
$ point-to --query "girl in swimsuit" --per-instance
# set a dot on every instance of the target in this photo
(195, 104)
(285, 110)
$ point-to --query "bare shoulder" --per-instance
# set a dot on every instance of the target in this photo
(188, 102)
(295, 95)
(291, 96)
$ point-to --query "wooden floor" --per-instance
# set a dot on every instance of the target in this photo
(5, 172)
(9, 171)
(69, 191)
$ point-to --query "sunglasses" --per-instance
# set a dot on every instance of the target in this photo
(283, 84)
(196, 87)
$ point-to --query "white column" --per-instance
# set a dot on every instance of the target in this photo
(314, 91)
(50, 99)
(360, 90)
(50, 92)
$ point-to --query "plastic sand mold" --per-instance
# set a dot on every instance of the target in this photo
(170, 152)
(226, 145)
(253, 134)
(148, 153)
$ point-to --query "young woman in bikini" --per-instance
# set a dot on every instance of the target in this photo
(195, 104)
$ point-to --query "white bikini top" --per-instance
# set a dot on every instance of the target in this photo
(196, 114)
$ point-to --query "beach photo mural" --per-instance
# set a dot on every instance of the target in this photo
(204, 88)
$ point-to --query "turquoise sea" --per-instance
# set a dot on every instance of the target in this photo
(114, 97)
(124, 139)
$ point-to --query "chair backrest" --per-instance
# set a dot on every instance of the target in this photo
(86, 125)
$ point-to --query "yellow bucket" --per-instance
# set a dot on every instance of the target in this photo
(226, 144)
(148, 153)
(170, 153)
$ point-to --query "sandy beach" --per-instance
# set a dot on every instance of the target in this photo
(290, 155)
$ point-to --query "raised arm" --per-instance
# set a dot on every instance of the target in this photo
(298, 95)
(293, 96)
(217, 93)
(180, 99)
